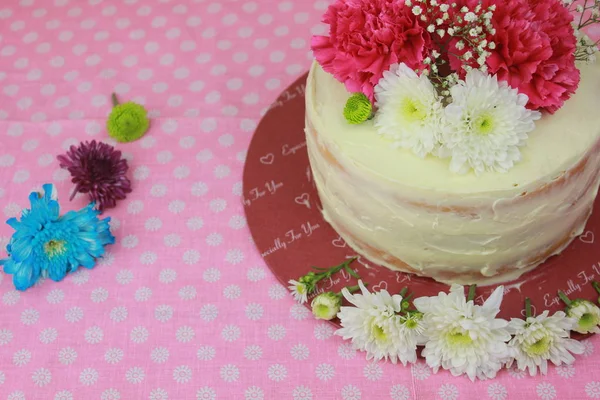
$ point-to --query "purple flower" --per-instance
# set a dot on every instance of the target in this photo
(98, 169)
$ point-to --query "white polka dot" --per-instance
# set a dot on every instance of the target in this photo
(79, 49)
(115, 47)
(286, 6)
(281, 31)
(214, 8)
(187, 142)
(11, 90)
(251, 98)
(84, 87)
(88, 23)
(167, 59)
(123, 23)
(108, 73)
(209, 33)
(277, 56)
(187, 45)
(93, 60)
(130, 61)
(173, 33)
(175, 101)
(203, 58)
(193, 21)
(208, 124)
(137, 34)
(54, 129)
(109, 10)
(71, 76)
(30, 37)
(43, 48)
(15, 130)
(38, 117)
(294, 69)
(234, 84)
(230, 111)
(53, 24)
(265, 19)
(158, 22)
(181, 73)
(8, 50)
(224, 44)
(144, 11)
(249, 7)
(57, 61)
(298, 43)
(21, 176)
(261, 43)
(213, 97)
(219, 69)
(102, 35)
(74, 12)
(240, 57)
(180, 9)
(145, 74)
(160, 87)
(301, 18)
(62, 102)
(196, 86)
(24, 103)
(17, 25)
(151, 47)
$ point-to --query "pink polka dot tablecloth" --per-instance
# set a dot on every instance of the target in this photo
(183, 306)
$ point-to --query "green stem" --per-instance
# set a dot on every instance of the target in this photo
(596, 286)
(115, 102)
(403, 292)
(471, 294)
(527, 307)
(564, 298)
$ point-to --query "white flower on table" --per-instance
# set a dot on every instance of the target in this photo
(299, 290)
(464, 338)
(409, 110)
(375, 325)
(540, 339)
(586, 315)
(485, 124)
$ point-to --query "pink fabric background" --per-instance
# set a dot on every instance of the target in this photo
(183, 306)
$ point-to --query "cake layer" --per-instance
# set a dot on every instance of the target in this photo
(415, 215)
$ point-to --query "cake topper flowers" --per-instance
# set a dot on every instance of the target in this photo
(418, 61)
(47, 244)
(98, 170)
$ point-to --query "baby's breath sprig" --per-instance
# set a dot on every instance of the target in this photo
(461, 33)
(589, 14)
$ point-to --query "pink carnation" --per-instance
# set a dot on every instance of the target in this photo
(535, 46)
(365, 38)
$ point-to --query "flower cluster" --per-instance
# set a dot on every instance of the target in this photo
(589, 14)
(481, 128)
(456, 334)
(47, 244)
(412, 58)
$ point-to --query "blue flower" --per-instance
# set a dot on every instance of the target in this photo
(49, 245)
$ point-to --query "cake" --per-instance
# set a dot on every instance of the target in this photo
(481, 222)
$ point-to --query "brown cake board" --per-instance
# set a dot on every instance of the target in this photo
(284, 218)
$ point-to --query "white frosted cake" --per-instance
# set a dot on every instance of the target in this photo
(414, 215)
(399, 188)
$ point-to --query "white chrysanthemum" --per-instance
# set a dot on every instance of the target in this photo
(299, 291)
(539, 339)
(586, 316)
(464, 338)
(409, 110)
(485, 125)
(375, 326)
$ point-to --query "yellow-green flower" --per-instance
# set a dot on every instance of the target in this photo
(358, 109)
(127, 122)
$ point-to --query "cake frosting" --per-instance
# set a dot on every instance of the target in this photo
(414, 215)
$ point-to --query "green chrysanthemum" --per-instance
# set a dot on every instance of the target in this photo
(358, 109)
(127, 122)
